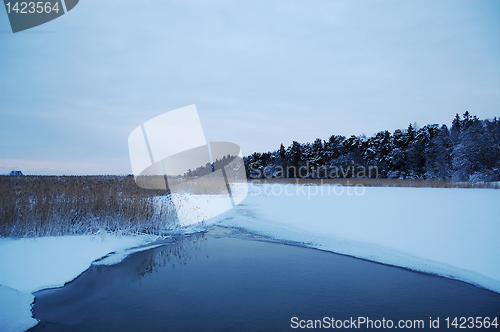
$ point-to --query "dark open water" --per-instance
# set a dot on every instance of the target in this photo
(232, 283)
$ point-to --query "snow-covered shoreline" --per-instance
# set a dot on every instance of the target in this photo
(448, 232)
(31, 264)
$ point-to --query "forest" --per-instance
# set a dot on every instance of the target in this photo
(468, 151)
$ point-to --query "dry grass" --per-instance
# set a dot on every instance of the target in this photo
(385, 183)
(57, 205)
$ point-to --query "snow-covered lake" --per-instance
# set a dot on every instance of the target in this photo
(448, 232)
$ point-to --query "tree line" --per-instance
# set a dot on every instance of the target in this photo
(468, 151)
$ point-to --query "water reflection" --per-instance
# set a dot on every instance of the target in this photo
(175, 254)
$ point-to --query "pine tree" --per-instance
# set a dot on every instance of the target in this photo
(410, 134)
(456, 128)
(282, 152)
(294, 154)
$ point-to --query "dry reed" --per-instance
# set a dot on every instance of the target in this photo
(59, 205)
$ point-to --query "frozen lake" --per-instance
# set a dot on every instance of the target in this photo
(220, 281)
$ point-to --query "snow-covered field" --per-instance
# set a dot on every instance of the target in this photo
(449, 232)
(28, 265)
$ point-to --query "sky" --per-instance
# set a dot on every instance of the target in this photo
(260, 73)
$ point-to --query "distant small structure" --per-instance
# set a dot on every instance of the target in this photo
(16, 173)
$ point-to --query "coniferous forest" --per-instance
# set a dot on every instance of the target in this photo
(468, 151)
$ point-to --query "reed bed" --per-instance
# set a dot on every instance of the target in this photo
(61, 205)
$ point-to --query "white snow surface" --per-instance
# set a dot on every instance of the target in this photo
(31, 264)
(15, 310)
(449, 232)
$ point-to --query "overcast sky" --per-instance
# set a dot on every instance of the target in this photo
(261, 73)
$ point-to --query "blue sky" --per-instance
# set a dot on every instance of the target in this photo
(261, 73)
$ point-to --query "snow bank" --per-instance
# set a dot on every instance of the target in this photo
(193, 209)
(28, 265)
(449, 232)
(117, 257)
(15, 310)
